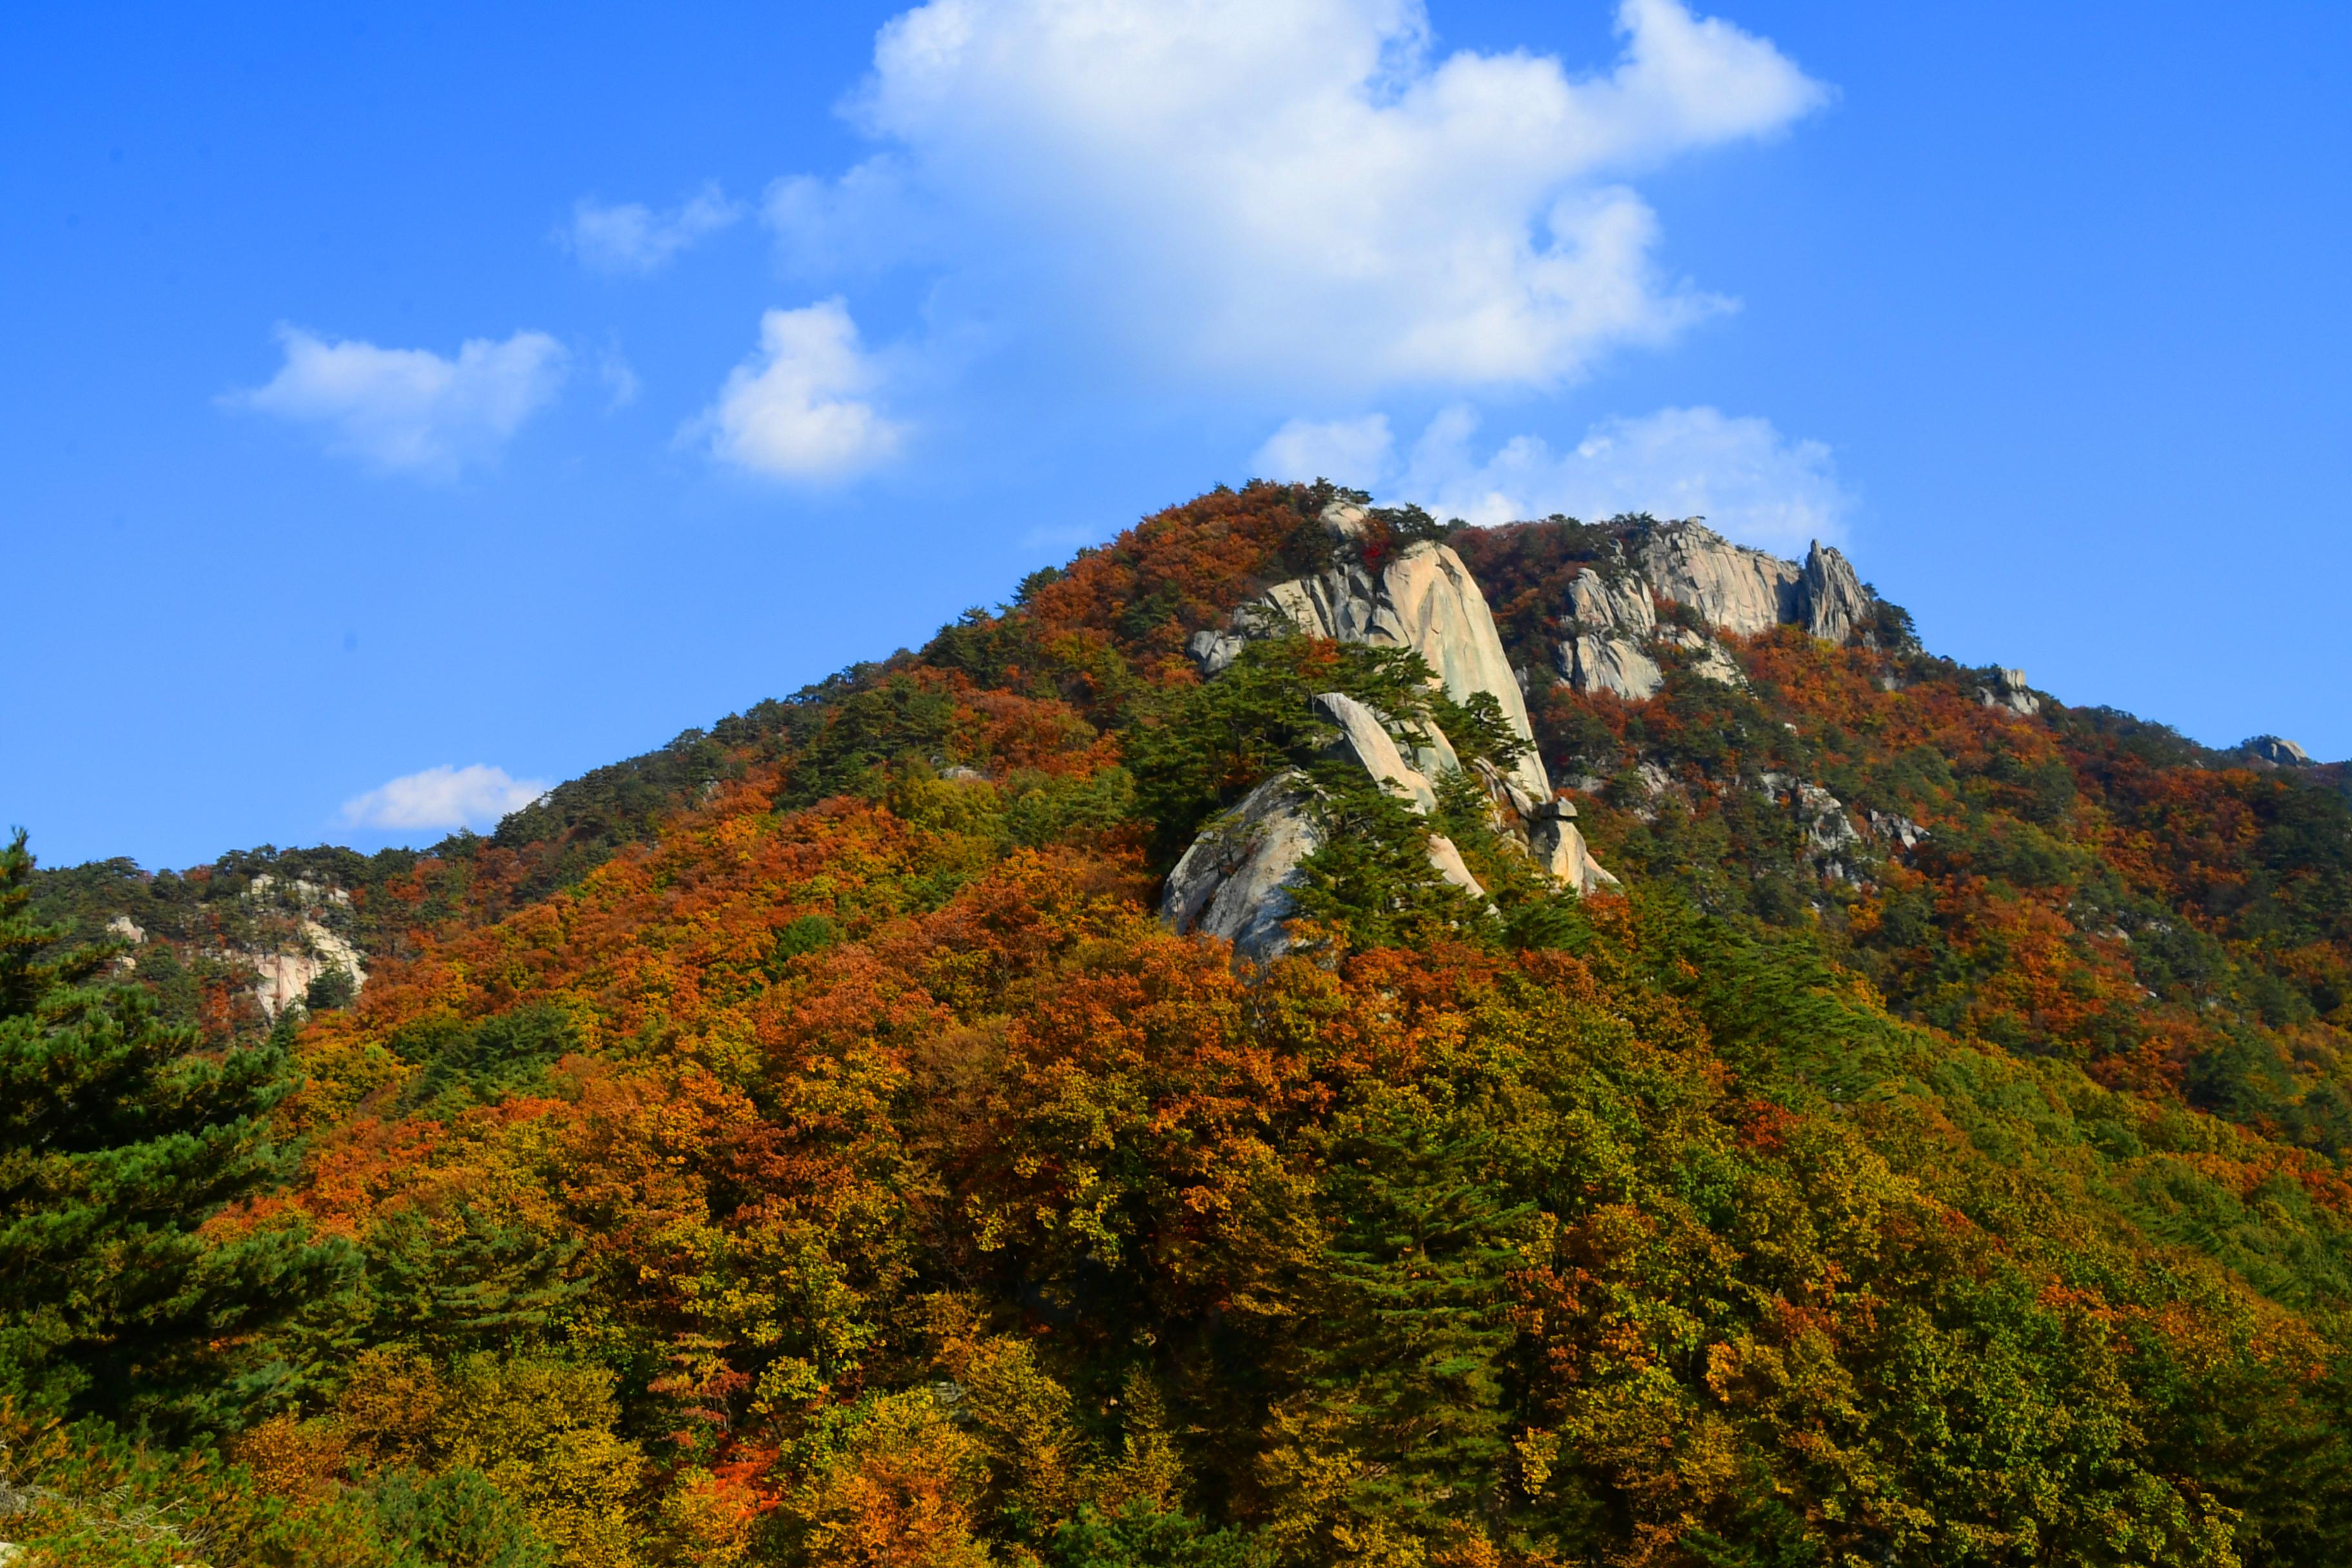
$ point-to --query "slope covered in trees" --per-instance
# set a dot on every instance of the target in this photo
(809, 1147)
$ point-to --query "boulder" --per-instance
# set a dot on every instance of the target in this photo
(1213, 650)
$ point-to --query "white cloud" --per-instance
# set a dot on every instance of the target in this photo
(620, 383)
(411, 410)
(632, 237)
(1743, 476)
(443, 798)
(1352, 452)
(798, 409)
(1750, 483)
(1298, 192)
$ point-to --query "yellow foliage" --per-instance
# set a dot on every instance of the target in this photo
(898, 1486)
(540, 1428)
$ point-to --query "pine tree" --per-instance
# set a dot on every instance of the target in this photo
(118, 1140)
(1371, 875)
(1408, 1424)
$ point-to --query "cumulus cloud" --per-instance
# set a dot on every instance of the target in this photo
(442, 798)
(411, 410)
(1750, 483)
(1352, 452)
(632, 239)
(1300, 190)
(800, 408)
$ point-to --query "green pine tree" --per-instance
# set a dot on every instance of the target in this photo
(1371, 876)
(1414, 1327)
(118, 1140)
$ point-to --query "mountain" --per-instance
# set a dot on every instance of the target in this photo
(1311, 1035)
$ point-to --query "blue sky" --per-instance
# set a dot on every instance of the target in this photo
(405, 406)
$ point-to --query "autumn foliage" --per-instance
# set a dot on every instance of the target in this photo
(857, 1171)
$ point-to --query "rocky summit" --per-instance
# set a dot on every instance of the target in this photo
(1161, 1076)
(1236, 880)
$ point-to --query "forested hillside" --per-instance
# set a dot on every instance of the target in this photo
(809, 1144)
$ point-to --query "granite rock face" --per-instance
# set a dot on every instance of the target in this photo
(1733, 588)
(1614, 665)
(1611, 616)
(2276, 751)
(1619, 604)
(1832, 597)
(1423, 598)
(1366, 742)
(1612, 610)
(1562, 851)
(2010, 690)
(1235, 880)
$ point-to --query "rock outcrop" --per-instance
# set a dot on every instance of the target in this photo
(283, 977)
(1833, 601)
(1366, 742)
(1710, 660)
(1830, 834)
(1212, 650)
(1612, 665)
(2010, 690)
(1422, 597)
(1235, 880)
(1238, 877)
(1613, 622)
(1733, 588)
(1831, 837)
(1896, 829)
(283, 973)
(1619, 606)
(1560, 850)
(2277, 752)
(1612, 618)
